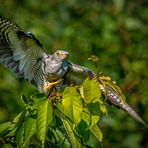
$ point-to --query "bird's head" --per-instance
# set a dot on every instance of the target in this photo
(61, 55)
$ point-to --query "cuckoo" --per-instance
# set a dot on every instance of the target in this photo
(23, 54)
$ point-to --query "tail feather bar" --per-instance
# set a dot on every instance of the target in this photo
(114, 98)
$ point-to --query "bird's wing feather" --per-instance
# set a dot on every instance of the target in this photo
(76, 74)
(19, 51)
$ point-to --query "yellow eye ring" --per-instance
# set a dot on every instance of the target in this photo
(58, 53)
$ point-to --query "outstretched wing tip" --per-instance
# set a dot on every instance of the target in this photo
(17, 47)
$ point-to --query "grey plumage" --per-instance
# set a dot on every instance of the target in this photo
(114, 98)
(23, 54)
(18, 50)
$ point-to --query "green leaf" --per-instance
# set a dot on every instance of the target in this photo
(72, 106)
(24, 100)
(94, 108)
(25, 132)
(94, 120)
(20, 135)
(29, 130)
(96, 132)
(5, 126)
(90, 119)
(17, 118)
(61, 138)
(70, 134)
(91, 91)
(103, 108)
(83, 130)
(12, 130)
(44, 117)
(19, 127)
(86, 116)
(16, 124)
(38, 98)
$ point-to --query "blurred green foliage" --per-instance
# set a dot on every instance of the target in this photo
(116, 31)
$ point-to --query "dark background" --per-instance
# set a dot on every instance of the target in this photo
(116, 31)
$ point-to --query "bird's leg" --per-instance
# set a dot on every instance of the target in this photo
(51, 85)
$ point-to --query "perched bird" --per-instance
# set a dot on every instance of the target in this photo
(23, 54)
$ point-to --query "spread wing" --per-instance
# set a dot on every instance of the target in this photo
(77, 74)
(19, 51)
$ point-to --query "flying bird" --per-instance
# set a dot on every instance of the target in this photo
(23, 54)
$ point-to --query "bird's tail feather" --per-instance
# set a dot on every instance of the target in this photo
(115, 97)
(133, 114)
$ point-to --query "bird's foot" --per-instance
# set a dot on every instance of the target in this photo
(51, 85)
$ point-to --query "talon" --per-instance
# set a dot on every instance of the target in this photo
(55, 82)
(51, 84)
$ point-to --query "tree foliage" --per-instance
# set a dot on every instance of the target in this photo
(115, 31)
(60, 122)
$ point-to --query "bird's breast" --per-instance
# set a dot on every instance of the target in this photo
(56, 71)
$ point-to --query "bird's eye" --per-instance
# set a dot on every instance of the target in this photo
(58, 53)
